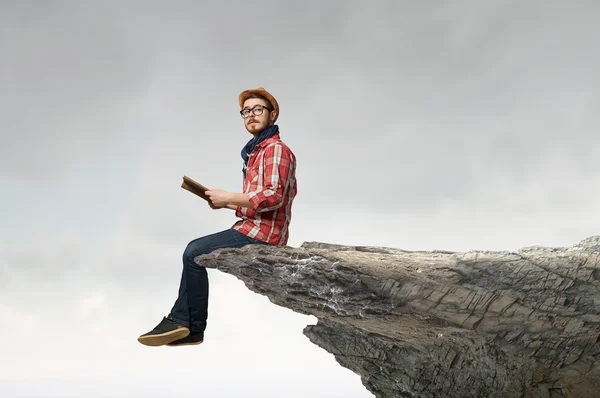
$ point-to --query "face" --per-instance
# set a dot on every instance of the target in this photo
(255, 124)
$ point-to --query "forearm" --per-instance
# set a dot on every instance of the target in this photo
(238, 199)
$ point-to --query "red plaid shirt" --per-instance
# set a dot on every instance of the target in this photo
(271, 185)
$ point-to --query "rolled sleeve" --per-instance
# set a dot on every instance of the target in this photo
(276, 167)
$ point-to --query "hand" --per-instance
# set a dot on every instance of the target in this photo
(213, 206)
(218, 198)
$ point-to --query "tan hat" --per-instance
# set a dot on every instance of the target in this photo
(261, 91)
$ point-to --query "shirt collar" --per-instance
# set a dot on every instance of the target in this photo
(268, 141)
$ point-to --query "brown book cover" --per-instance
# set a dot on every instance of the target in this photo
(195, 188)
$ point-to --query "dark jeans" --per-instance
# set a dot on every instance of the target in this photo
(191, 307)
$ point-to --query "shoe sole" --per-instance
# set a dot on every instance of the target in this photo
(182, 344)
(164, 338)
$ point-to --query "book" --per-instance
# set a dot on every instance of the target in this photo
(195, 187)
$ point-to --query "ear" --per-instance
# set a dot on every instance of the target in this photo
(273, 115)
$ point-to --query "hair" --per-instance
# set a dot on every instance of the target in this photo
(270, 105)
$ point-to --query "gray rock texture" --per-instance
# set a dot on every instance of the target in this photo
(439, 323)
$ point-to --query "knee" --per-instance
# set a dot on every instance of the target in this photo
(189, 254)
(192, 251)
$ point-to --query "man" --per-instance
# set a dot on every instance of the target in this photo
(264, 207)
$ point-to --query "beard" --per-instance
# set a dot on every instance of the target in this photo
(255, 128)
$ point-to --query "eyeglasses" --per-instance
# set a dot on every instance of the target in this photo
(257, 110)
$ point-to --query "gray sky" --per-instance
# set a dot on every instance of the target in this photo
(438, 125)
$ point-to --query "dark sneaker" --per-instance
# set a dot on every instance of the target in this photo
(194, 338)
(165, 332)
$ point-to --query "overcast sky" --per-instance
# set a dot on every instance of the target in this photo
(454, 125)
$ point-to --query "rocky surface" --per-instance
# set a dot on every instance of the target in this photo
(438, 323)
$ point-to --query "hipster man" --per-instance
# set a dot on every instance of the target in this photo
(264, 209)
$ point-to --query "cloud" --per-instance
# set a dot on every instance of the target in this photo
(90, 340)
(73, 76)
(459, 126)
(425, 111)
(41, 261)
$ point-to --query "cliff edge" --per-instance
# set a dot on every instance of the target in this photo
(439, 323)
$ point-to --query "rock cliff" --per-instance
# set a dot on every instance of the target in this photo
(439, 323)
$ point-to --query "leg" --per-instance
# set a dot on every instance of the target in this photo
(180, 312)
(190, 311)
(191, 307)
